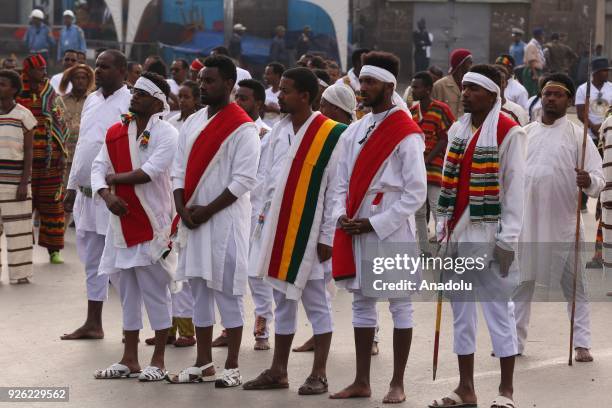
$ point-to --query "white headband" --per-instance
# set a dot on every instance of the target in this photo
(149, 87)
(481, 80)
(323, 83)
(378, 73)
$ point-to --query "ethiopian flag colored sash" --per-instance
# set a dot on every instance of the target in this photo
(375, 152)
(299, 204)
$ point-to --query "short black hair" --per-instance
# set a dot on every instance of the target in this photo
(158, 80)
(356, 56)
(183, 62)
(490, 71)
(131, 65)
(322, 75)
(224, 64)
(381, 59)
(81, 53)
(277, 67)
(436, 71)
(195, 89)
(70, 50)
(259, 91)
(14, 77)
(159, 67)
(221, 50)
(562, 78)
(318, 62)
(425, 77)
(119, 58)
(304, 81)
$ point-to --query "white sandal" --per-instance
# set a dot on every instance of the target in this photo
(458, 402)
(503, 402)
(151, 373)
(115, 371)
(230, 378)
(191, 375)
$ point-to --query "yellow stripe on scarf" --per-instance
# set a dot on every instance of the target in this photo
(299, 199)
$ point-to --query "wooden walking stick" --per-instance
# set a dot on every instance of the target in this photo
(437, 334)
(585, 120)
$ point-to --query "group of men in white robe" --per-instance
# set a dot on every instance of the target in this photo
(240, 191)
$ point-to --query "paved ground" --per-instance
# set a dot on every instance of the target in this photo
(34, 316)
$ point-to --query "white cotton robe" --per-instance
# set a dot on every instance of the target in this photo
(202, 253)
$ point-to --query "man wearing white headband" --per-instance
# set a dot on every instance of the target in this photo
(550, 210)
(101, 110)
(480, 213)
(381, 183)
(132, 175)
(215, 167)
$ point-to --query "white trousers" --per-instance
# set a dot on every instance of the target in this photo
(261, 292)
(500, 321)
(420, 217)
(366, 315)
(316, 305)
(149, 285)
(182, 302)
(90, 246)
(522, 312)
(230, 306)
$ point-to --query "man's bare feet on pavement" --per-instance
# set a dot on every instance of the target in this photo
(395, 395)
(354, 390)
(85, 333)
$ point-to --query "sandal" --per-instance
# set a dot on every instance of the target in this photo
(151, 373)
(261, 344)
(151, 340)
(115, 371)
(266, 381)
(230, 378)
(220, 341)
(457, 402)
(192, 375)
(313, 385)
(185, 341)
(502, 402)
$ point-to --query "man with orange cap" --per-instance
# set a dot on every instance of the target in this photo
(448, 89)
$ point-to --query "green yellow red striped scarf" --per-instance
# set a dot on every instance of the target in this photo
(300, 196)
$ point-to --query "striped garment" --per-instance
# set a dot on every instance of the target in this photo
(434, 122)
(476, 186)
(47, 166)
(13, 125)
(300, 196)
(17, 225)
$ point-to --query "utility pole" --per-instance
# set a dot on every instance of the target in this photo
(228, 20)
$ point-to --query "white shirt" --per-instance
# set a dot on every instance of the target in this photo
(98, 115)
(175, 120)
(516, 92)
(353, 80)
(235, 168)
(271, 100)
(511, 193)
(55, 83)
(600, 100)
(519, 114)
(534, 108)
(403, 181)
(241, 74)
(174, 87)
(553, 152)
(155, 161)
